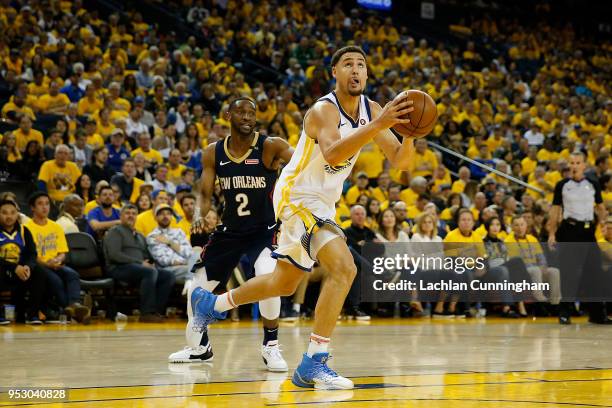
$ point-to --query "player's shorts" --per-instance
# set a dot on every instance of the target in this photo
(302, 235)
(224, 250)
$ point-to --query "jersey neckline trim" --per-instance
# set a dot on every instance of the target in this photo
(245, 155)
(353, 123)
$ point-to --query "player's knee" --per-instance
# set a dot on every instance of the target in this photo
(343, 271)
(286, 287)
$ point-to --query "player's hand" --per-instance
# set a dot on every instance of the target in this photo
(198, 226)
(552, 241)
(23, 272)
(394, 110)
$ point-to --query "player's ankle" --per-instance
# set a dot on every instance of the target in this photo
(317, 344)
(225, 302)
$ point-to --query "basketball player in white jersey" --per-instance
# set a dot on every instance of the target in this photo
(335, 129)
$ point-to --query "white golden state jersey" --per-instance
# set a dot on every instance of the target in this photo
(308, 181)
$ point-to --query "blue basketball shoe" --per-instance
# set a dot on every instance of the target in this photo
(203, 308)
(313, 372)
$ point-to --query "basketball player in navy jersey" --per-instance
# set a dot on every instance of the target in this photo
(335, 129)
(246, 165)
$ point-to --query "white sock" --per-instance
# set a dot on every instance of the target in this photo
(224, 302)
(296, 307)
(317, 344)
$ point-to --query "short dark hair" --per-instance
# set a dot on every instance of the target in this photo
(35, 196)
(106, 188)
(128, 206)
(601, 159)
(186, 196)
(350, 48)
(98, 150)
(235, 101)
(8, 201)
(188, 170)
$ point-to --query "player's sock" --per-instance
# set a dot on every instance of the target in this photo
(204, 339)
(317, 344)
(224, 302)
(296, 307)
(270, 335)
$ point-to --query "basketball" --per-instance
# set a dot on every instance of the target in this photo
(422, 118)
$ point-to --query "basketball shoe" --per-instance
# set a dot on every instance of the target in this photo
(198, 354)
(313, 372)
(273, 358)
(203, 308)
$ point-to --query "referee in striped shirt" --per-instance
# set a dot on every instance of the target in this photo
(577, 200)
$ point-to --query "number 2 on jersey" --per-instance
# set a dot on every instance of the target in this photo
(243, 199)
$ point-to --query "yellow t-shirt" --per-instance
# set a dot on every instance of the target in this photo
(11, 107)
(49, 238)
(174, 175)
(94, 141)
(379, 194)
(455, 237)
(413, 212)
(342, 213)
(528, 166)
(370, 160)
(419, 159)
(607, 196)
(546, 155)
(22, 139)
(458, 186)
(527, 248)
(353, 194)
(186, 227)
(178, 209)
(48, 102)
(136, 190)
(265, 116)
(86, 107)
(494, 143)
(90, 206)
(151, 156)
(446, 214)
(146, 222)
(438, 182)
(408, 196)
(60, 180)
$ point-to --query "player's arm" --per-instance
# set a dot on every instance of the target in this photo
(400, 155)
(321, 124)
(277, 150)
(207, 181)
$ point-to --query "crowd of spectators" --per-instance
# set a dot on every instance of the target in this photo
(103, 111)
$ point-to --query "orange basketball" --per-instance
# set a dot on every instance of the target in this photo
(422, 118)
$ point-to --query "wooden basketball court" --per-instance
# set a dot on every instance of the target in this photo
(393, 362)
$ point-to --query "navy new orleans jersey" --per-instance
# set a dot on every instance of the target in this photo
(247, 187)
